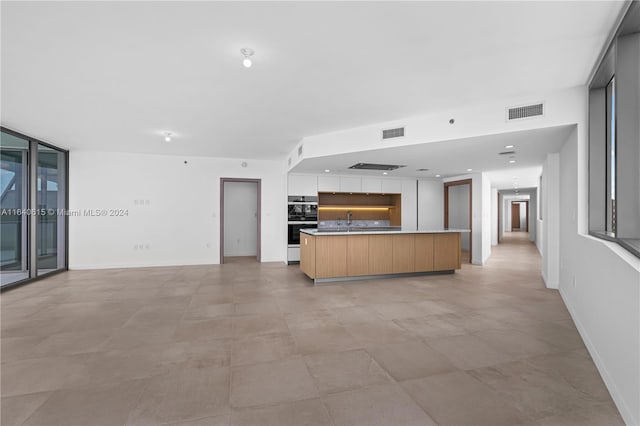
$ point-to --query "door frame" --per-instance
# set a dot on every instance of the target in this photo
(513, 204)
(526, 211)
(446, 209)
(258, 183)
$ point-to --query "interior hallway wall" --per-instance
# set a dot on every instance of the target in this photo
(240, 218)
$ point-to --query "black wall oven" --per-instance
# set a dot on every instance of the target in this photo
(302, 209)
(294, 232)
(302, 212)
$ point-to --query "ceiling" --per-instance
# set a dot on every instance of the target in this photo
(455, 157)
(113, 76)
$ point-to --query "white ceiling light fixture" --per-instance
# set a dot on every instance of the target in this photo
(167, 136)
(437, 175)
(327, 170)
(247, 53)
(469, 170)
(385, 173)
(509, 146)
(512, 161)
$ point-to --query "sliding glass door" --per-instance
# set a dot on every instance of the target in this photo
(14, 203)
(33, 203)
(50, 197)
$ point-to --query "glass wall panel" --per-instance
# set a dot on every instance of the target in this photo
(14, 199)
(51, 198)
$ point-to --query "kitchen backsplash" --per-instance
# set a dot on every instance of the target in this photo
(354, 223)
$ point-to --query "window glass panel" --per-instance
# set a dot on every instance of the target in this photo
(13, 201)
(51, 199)
(611, 157)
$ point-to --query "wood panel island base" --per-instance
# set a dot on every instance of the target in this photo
(357, 255)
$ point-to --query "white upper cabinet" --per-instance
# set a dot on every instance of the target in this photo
(371, 185)
(350, 184)
(302, 185)
(391, 186)
(328, 184)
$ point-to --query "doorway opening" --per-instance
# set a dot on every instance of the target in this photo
(520, 216)
(458, 213)
(240, 212)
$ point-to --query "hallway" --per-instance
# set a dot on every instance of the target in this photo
(256, 344)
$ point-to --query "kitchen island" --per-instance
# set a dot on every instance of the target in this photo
(342, 255)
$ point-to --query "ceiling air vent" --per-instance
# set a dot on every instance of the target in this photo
(506, 153)
(368, 166)
(525, 111)
(393, 133)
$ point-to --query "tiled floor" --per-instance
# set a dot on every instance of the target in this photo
(251, 344)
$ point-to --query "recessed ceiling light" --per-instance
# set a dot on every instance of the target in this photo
(327, 170)
(247, 53)
(167, 136)
(469, 170)
(512, 161)
(385, 173)
(508, 146)
(437, 175)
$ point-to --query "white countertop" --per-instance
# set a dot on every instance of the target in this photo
(361, 231)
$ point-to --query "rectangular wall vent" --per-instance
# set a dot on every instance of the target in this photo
(299, 150)
(525, 111)
(398, 132)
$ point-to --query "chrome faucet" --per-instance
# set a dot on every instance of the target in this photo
(349, 221)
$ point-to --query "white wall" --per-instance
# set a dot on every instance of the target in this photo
(180, 224)
(533, 216)
(551, 215)
(487, 204)
(409, 210)
(240, 218)
(599, 282)
(430, 204)
(494, 216)
(459, 211)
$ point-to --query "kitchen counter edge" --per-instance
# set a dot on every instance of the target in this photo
(315, 232)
